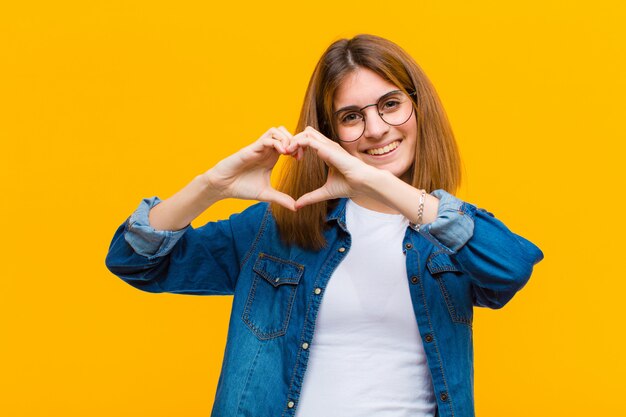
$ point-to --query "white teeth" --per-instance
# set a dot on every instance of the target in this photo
(383, 150)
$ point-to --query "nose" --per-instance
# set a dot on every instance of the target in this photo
(375, 126)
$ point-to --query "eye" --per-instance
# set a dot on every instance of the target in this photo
(350, 118)
(390, 104)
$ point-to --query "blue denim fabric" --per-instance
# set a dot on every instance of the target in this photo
(143, 238)
(465, 258)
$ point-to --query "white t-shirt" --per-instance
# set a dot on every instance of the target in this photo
(367, 357)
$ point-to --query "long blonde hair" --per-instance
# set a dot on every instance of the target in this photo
(436, 165)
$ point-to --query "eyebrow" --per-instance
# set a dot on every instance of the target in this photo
(355, 107)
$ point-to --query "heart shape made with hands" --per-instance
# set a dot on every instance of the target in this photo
(344, 170)
(246, 174)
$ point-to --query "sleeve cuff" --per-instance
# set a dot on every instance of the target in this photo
(144, 239)
(454, 224)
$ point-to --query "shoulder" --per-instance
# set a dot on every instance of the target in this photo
(251, 216)
(257, 209)
(253, 222)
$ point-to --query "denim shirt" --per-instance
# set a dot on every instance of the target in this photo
(465, 258)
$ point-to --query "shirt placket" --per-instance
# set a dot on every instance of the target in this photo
(337, 254)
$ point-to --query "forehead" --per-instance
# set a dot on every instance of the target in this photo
(361, 87)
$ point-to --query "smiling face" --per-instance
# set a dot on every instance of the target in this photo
(387, 147)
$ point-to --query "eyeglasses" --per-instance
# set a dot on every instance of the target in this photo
(394, 108)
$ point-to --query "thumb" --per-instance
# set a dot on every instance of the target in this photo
(315, 196)
(277, 197)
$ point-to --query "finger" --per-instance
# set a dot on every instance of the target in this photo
(278, 133)
(273, 143)
(310, 129)
(277, 197)
(316, 134)
(315, 196)
(310, 132)
(274, 135)
(294, 150)
(303, 139)
(287, 136)
(325, 150)
(282, 134)
(285, 131)
(297, 154)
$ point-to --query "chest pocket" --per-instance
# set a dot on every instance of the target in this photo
(456, 288)
(271, 296)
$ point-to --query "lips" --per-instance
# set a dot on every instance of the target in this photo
(383, 150)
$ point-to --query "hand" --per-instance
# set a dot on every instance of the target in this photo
(246, 174)
(346, 174)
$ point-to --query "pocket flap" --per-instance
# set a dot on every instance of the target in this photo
(440, 262)
(278, 271)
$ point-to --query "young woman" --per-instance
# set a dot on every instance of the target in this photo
(354, 282)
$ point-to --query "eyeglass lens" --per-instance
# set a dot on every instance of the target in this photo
(395, 109)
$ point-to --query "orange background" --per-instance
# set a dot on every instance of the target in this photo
(103, 103)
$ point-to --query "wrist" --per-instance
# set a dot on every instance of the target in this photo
(375, 180)
(393, 192)
(209, 186)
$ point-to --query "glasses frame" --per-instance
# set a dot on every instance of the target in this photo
(414, 93)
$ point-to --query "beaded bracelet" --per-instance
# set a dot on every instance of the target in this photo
(420, 212)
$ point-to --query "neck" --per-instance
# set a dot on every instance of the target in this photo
(374, 205)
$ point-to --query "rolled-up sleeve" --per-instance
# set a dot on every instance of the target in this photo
(146, 240)
(497, 261)
(197, 261)
(454, 224)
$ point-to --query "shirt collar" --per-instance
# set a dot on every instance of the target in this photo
(338, 213)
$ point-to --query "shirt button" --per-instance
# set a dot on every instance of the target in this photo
(318, 291)
(429, 338)
(408, 246)
(443, 396)
(305, 346)
(290, 404)
(414, 279)
(342, 249)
